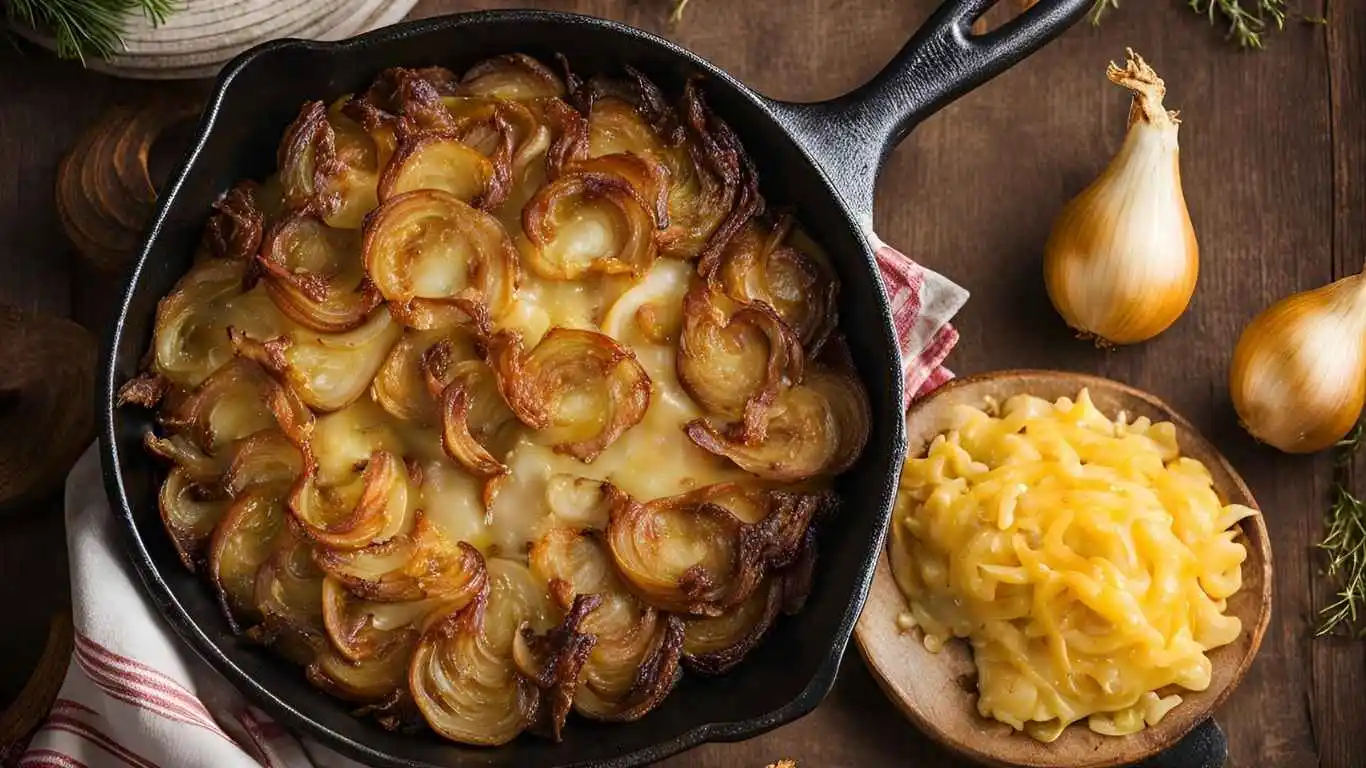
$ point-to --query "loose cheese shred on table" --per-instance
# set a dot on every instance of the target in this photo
(1086, 561)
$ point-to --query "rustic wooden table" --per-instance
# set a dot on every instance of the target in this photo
(1274, 164)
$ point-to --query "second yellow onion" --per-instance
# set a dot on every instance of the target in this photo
(1122, 261)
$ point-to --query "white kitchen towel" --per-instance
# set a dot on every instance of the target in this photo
(135, 695)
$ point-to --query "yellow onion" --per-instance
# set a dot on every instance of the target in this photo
(759, 267)
(1298, 377)
(633, 662)
(651, 311)
(370, 509)
(328, 166)
(328, 370)
(1122, 261)
(735, 359)
(315, 275)
(579, 387)
(579, 502)
(600, 216)
(264, 458)
(818, 427)
(462, 676)
(418, 565)
(242, 542)
(438, 261)
(512, 76)
(190, 515)
(238, 400)
(691, 554)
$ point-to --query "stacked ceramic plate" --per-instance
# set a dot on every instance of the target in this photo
(204, 34)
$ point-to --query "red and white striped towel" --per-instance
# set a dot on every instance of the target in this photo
(135, 695)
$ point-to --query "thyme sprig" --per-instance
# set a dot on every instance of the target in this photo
(86, 27)
(1344, 544)
(1248, 20)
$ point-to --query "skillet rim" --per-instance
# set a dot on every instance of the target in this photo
(189, 631)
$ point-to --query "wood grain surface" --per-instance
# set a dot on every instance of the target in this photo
(1274, 163)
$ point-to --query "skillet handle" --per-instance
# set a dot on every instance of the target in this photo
(851, 135)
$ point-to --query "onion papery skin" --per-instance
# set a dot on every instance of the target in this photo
(691, 554)
(1297, 378)
(815, 428)
(735, 359)
(537, 385)
(314, 274)
(465, 274)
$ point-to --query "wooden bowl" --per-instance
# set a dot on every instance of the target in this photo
(938, 692)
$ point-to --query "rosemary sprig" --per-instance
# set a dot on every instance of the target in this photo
(86, 27)
(1344, 543)
(1244, 26)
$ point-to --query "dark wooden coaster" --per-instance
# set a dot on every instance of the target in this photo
(47, 392)
(105, 193)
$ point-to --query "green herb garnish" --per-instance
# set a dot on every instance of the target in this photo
(1247, 20)
(1344, 543)
(86, 27)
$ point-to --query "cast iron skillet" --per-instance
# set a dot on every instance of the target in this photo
(820, 158)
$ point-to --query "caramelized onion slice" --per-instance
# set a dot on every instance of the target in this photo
(599, 216)
(554, 661)
(815, 428)
(371, 509)
(511, 76)
(759, 267)
(404, 99)
(472, 410)
(736, 359)
(191, 333)
(328, 166)
(241, 544)
(288, 590)
(437, 160)
(190, 515)
(235, 228)
(371, 680)
(315, 275)
(634, 662)
(401, 388)
(328, 371)
(714, 645)
(265, 458)
(691, 554)
(419, 565)
(438, 261)
(361, 629)
(581, 388)
(463, 677)
(238, 400)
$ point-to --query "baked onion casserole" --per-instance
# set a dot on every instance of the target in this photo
(504, 398)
